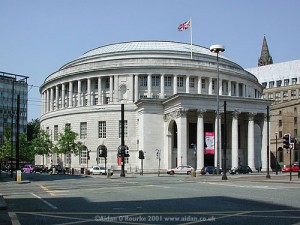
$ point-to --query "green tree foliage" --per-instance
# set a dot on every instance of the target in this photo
(5, 150)
(67, 142)
(33, 129)
(26, 149)
(42, 143)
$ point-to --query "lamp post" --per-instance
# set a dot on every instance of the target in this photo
(276, 154)
(217, 48)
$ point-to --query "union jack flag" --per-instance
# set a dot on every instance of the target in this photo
(184, 26)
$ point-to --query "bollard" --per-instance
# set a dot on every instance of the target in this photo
(19, 176)
(108, 173)
(193, 173)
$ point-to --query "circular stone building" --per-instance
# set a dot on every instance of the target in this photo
(170, 101)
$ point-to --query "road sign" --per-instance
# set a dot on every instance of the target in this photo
(291, 146)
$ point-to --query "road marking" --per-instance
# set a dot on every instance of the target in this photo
(13, 218)
(46, 202)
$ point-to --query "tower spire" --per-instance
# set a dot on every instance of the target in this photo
(265, 57)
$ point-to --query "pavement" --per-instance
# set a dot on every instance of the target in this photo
(254, 177)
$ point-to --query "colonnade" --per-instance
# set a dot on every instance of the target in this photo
(105, 89)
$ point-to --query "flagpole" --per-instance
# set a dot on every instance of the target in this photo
(191, 36)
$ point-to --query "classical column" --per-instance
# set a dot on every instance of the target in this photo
(235, 141)
(63, 90)
(181, 122)
(218, 150)
(100, 99)
(47, 100)
(220, 87)
(237, 89)
(70, 94)
(264, 163)
(251, 158)
(56, 97)
(199, 85)
(149, 86)
(51, 99)
(187, 84)
(162, 86)
(111, 81)
(210, 85)
(229, 88)
(200, 140)
(79, 93)
(175, 84)
(89, 92)
(136, 87)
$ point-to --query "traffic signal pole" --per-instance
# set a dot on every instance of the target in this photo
(122, 141)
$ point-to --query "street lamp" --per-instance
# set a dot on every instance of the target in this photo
(276, 154)
(217, 48)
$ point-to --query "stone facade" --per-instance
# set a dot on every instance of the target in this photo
(170, 103)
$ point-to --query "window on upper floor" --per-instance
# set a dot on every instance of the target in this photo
(192, 82)
(293, 93)
(55, 136)
(203, 83)
(278, 83)
(280, 123)
(277, 95)
(83, 130)
(107, 83)
(264, 84)
(155, 81)
(179, 81)
(143, 81)
(285, 94)
(294, 81)
(271, 84)
(280, 134)
(286, 82)
(295, 120)
(102, 129)
(270, 95)
(168, 81)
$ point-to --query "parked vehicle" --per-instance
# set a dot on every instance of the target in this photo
(57, 168)
(28, 168)
(100, 170)
(241, 170)
(210, 170)
(181, 170)
(295, 168)
(39, 169)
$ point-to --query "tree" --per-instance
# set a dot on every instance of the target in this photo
(42, 143)
(26, 149)
(67, 142)
(33, 129)
(5, 150)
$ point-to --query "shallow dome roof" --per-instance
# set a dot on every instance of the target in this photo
(147, 46)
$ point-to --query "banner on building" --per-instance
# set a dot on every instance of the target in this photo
(209, 143)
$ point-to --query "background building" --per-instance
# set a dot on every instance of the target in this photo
(281, 82)
(12, 86)
(170, 106)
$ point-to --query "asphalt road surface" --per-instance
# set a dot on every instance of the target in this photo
(149, 199)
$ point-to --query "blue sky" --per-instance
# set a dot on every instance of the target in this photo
(38, 37)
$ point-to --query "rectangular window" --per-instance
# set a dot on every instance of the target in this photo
(107, 83)
(264, 84)
(280, 123)
(168, 81)
(270, 95)
(55, 136)
(280, 134)
(278, 83)
(203, 83)
(83, 156)
(294, 81)
(102, 129)
(295, 120)
(143, 81)
(192, 82)
(285, 94)
(271, 84)
(68, 125)
(293, 93)
(155, 81)
(295, 133)
(286, 82)
(179, 81)
(277, 95)
(125, 128)
(83, 130)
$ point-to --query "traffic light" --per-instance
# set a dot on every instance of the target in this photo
(141, 155)
(126, 153)
(102, 151)
(123, 151)
(286, 141)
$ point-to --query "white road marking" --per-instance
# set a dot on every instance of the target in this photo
(46, 202)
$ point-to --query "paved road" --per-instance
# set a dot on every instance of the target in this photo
(63, 199)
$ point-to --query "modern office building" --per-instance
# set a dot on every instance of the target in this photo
(281, 82)
(170, 103)
(12, 86)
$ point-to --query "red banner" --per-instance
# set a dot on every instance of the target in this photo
(210, 143)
